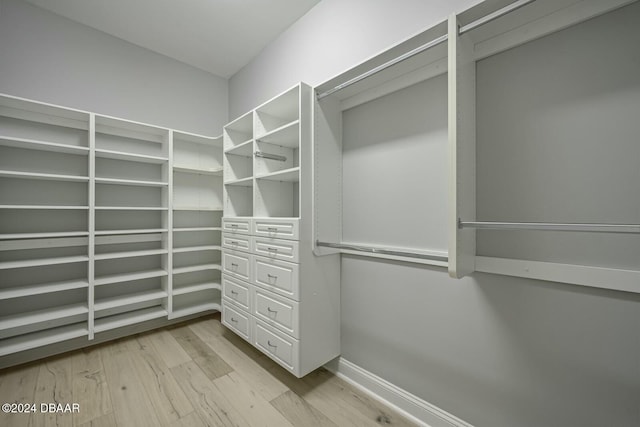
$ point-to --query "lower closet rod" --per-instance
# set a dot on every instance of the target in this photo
(382, 251)
(594, 228)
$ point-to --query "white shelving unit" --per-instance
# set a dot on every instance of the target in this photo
(277, 294)
(197, 214)
(101, 219)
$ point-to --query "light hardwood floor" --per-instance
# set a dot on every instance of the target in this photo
(190, 375)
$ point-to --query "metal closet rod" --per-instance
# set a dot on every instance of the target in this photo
(270, 156)
(475, 24)
(371, 250)
(553, 226)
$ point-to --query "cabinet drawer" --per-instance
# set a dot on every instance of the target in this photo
(235, 320)
(237, 291)
(237, 265)
(234, 241)
(276, 311)
(276, 345)
(236, 225)
(277, 276)
(276, 228)
(286, 250)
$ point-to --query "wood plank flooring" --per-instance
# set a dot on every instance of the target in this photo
(194, 374)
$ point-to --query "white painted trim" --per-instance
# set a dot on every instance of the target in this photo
(417, 410)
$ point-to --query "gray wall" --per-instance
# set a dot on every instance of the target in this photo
(496, 351)
(48, 58)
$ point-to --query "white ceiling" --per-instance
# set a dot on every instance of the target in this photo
(218, 36)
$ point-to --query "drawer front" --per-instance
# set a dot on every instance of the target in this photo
(286, 250)
(237, 265)
(236, 225)
(276, 228)
(236, 242)
(237, 291)
(235, 320)
(277, 276)
(276, 311)
(278, 346)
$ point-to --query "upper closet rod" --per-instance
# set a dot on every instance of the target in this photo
(371, 250)
(593, 228)
(475, 24)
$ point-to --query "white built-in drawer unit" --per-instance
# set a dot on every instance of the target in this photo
(236, 242)
(236, 320)
(280, 228)
(236, 225)
(237, 264)
(280, 277)
(279, 312)
(238, 292)
(285, 250)
(279, 346)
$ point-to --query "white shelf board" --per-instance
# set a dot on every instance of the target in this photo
(15, 236)
(196, 171)
(198, 208)
(129, 318)
(287, 175)
(136, 231)
(130, 254)
(287, 135)
(199, 308)
(129, 277)
(40, 316)
(133, 182)
(131, 208)
(187, 229)
(44, 288)
(122, 155)
(197, 248)
(244, 182)
(128, 299)
(196, 288)
(32, 144)
(193, 268)
(42, 176)
(42, 261)
(42, 338)
(244, 149)
(45, 207)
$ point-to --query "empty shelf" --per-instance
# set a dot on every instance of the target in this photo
(122, 155)
(244, 182)
(197, 248)
(192, 268)
(128, 299)
(131, 254)
(197, 208)
(45, 207)
(40, 316)
(199, 308)
(186, 229)
(128, 277)
(214, 172)
(196, 288)
(131, 208)
(129, 318)
(43, 235)
(287, 175)
(42, 338)
(284, 136)
(32, 144)
(42, 261)
(133, 182)
(43, 176)
(138, 231)
(45, 288)
(245, 149)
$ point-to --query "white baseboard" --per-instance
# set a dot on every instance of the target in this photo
(412, 407)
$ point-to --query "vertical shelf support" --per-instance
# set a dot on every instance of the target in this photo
(92, 223)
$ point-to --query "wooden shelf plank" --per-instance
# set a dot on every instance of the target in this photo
(187, 229)
(123, 155)
(44, 207)
(198, 208)
(188, 289)
(43, 288)
(42, 338)
(42, 261)
(197, 248)
(287, 135)
(42, 176)
(245, 149)
(128, 299)
(40, 316)
(129, 318)
(244, 182)
(131, 182)
(130, 254)
(287, 175)
(200, 267)
(128, 277)
(43, 235)
(32, 144)
(199, 308)
(136, 231)
(131, 208)
(197, 171)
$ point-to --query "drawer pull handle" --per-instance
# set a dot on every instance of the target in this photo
(234, 292)
(233, 242)
(272, 228)
(233, 264)
(233, 225)
(272, 249)
(271, 345)
(271, 311)
(234, 320)
(271, 276)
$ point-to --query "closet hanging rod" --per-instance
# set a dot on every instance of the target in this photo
(493, 16)
(270, 156)
(384, 66)
(594, 228)
(393, 252)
